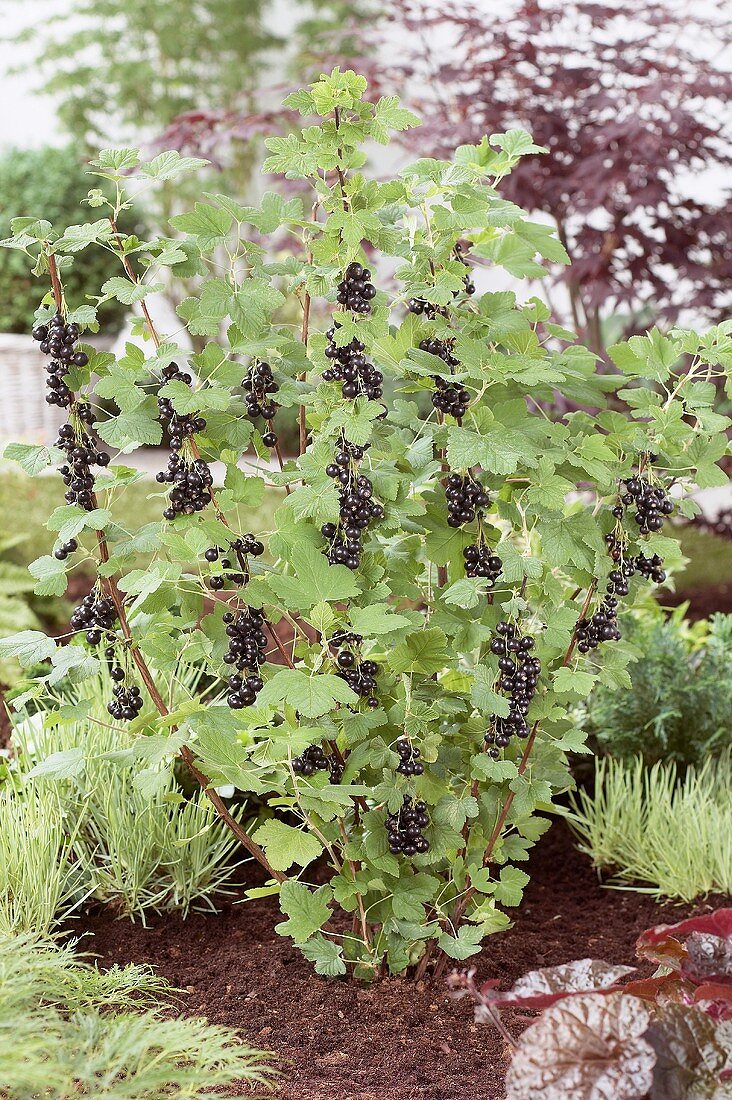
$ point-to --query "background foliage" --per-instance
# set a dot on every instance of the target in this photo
(679, 707)
(47, 182)
(629, 99)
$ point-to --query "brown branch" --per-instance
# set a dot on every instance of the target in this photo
(56, 286)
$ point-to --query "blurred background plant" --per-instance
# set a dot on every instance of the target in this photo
(631, 100)
(48, 183)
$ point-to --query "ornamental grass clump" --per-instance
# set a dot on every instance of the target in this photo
(69, 1029)
(655, 830)
(399, 667)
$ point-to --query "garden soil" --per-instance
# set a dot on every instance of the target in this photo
(337, 1040)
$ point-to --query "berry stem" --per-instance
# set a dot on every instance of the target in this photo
(304, 336)
(56, 285)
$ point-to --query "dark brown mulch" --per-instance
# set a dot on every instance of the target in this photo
(396, 1040)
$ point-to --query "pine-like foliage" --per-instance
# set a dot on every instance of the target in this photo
(67, 1029)
(678, 706)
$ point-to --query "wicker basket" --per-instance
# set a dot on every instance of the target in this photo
(24, 414)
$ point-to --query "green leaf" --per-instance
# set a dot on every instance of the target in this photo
(50, 575)
(69, 520)
(388, 115)
(32, 458)
(206, 222)
(117, 160)
(29, 646)
(376, 619)
(186, 400)
(133, 428)
(284, 845)
(311, 695)
(483, 696)
(496, 771)
(510, 887)
(306, 908)
(466, 943)
(424, 651)
(169, 164)
(574, 682)
(127, 291)
(516, 143)
(59, 765)
(326, 954)
(254, 304)
(314, 581)
(77, 237)
(73, 662)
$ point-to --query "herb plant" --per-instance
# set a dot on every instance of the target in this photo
(679, 707)
(601, 1034)
(130, 838)
(402, 659)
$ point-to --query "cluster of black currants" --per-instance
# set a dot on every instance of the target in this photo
(481, 562)
(449, 398)
(355, 290)
(420, 306)
(58, 340)
(191, 479)
(651, 568)
(63, 551)
(404, 828)
(602, 625)
(81, 454)
(259, 385)
(360, 675)
(127, 701)
(313, 759)
(96, 615)
(441, 348)
(351, 367)
(519, 676)
(357, 508)
(409, 758)
(465, 498)
(242, 547)
(247, 647)
(652, 504)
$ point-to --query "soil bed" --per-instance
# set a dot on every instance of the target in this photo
(396, 1040)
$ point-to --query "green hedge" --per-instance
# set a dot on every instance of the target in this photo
(46, 183)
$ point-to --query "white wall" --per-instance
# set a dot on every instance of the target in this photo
(26, 119)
